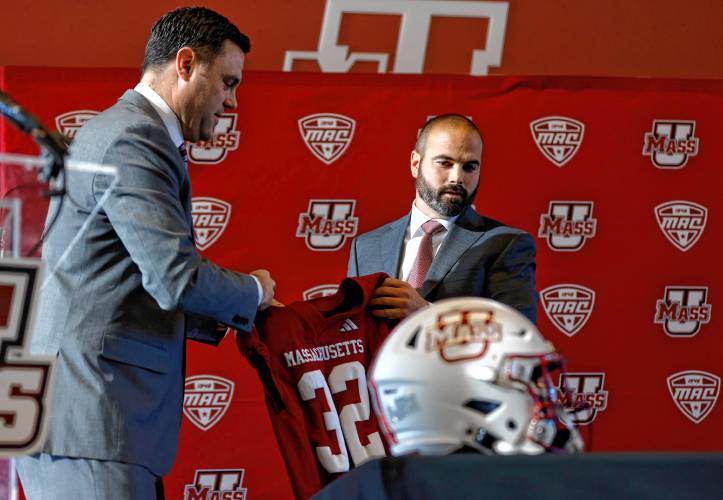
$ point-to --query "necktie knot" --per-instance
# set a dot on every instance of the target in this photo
(183, 152)
(432, 226)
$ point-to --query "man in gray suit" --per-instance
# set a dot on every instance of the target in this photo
(443, 248)
(122, 301)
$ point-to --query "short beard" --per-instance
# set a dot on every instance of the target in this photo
(434, 198)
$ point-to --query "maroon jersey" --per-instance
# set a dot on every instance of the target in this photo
(312, 358)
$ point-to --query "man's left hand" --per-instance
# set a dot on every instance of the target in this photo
(396, 299)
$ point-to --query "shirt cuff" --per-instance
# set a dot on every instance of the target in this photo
(258, 287)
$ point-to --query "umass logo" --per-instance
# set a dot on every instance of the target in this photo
(225, 139)
(683, 310)
(327, 224)
(216, 484)
(567, 225)
(671, 143)
(583, 395)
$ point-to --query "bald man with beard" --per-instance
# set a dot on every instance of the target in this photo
(443, 248)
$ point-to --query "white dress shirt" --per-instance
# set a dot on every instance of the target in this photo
(170, 120)
(413, 238)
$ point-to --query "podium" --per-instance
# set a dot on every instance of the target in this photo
(593, 476)
(25, 377)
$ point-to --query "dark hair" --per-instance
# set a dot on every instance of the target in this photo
(199, 28)
(453, 119)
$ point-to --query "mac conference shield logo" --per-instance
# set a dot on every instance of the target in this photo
(206, 399)
(568, 306)
(210, 218)
(557, 137)
(682, 222)
(69, 123)
(327, 135)
(695, 393)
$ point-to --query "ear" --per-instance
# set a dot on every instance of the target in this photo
(415, 161)
(186, 61)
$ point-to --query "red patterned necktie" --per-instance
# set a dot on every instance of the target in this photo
(183, 152)
(424, 255)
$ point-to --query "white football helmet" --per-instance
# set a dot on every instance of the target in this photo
(470, 373)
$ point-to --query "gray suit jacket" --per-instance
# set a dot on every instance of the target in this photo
(117, 311)
(480, 257)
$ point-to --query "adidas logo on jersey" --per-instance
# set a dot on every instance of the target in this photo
(348, 326)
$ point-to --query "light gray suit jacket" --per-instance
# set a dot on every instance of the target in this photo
(118, 310)
(480, 257)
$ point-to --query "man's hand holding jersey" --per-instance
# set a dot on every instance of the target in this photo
(396, 299)
(268, 286)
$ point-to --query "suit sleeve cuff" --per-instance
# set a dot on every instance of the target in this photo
(260, 290)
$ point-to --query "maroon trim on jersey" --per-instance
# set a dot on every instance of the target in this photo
(352, 298)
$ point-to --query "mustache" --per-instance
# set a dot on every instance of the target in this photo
(453, 189)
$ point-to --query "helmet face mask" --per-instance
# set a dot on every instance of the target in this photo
(470, 373)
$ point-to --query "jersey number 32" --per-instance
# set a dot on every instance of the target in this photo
(343, 423)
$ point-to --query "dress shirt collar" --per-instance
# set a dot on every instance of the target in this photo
(170, 120)
(418, 218)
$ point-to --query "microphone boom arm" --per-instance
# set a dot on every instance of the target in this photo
(51, 143)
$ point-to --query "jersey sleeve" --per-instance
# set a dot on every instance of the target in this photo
(257, 353)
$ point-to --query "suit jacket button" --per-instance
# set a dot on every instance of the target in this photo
(238, 319)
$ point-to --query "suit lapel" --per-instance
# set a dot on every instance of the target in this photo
(390, 245)
(457, 242)
(138, 100)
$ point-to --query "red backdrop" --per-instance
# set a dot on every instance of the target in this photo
(661, 38)
(628, 290)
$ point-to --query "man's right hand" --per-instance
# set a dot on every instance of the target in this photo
(268, 285)
(396, 299)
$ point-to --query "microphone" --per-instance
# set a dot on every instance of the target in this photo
(17, 115)
(27, 123)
